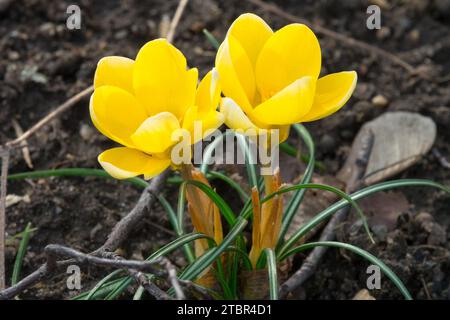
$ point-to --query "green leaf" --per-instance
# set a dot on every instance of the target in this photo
(21, 254)
(210, 149)
(181, 206)
(250, 162)
(272, 270)
(101, 283)
(362, 253)
(325, 214)
(119, 287)
(326, 188)
(203, 262)
(73, 172)
(212, 40)
(297, 198)
(224, 208)
(242, 194)
(102, 292)
(139, 292)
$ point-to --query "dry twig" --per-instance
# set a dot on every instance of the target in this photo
(54, 251)
(4, 154)
(23, 144)
(176, 19)
(440, 157)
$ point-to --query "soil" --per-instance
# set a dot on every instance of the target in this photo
(42, 64)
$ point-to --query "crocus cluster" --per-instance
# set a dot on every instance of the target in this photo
(263, 80)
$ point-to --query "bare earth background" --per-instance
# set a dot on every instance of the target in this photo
(42, 63)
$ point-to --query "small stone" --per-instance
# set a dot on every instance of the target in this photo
(414, 35)
(380, 231)
(47, 29)
(380, 101)
(363, 294)
(122, 34)
(13, 55)
(443, 6)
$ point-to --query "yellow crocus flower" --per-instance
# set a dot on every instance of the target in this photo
(271, 79)
(141, 103)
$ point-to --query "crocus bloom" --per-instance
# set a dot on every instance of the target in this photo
(271, 79)
(141, 103)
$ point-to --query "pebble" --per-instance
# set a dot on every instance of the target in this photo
(13, 55)
(86, 132)
(380, 101)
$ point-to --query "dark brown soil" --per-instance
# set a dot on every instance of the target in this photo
(42, 63)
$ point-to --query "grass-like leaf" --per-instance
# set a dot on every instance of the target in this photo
(212, 40)
(203, 262)
(297, 198)
(325, 214)
(21, 254)
(250, 162)
(139, 292)
(272, 270)
(224, 208)
(362, 253)
(242, 194)
(101, 283)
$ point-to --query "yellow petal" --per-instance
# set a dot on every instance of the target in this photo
(211, 121)
(201, 124)
(154, 135)
(234, 117)
(123, 163)
(290, 54)
(114, 71)
(252, 32)
(332, 92)
(284, 133)
(289, 105)
(161, 81)
(208, 92)
(236, 73)
(116, 113)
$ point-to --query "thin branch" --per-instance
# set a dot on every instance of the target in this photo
(141, 278)
(199, 289)
(4, 153)
(23, 144)
(54, 251)
(60, 109)
(440, 157)
(274, 9)
(123, 228)
(310, 264)
(172, 275)
(149, 286)
(176, 19)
